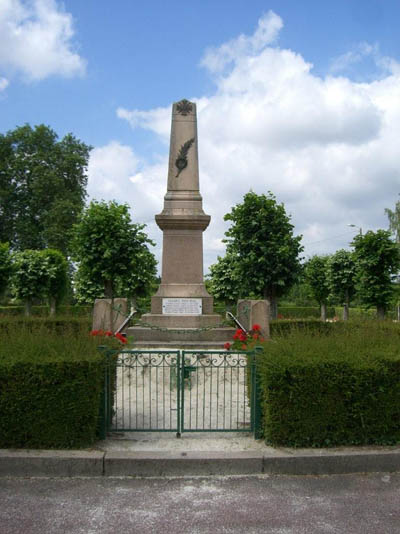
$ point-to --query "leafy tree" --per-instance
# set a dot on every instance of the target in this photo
(112, 252)
(316, 273)
(57, 277)
(42, 187)
(394, 227)
(394, 221)
(5, 266)
(29, 278)
(264, 251)
(224, 284)
(378, 259)
(342, 278)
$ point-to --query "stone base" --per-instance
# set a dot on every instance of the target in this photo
(181, 321)
(180, 338)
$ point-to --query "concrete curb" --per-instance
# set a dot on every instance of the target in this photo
(28, 463)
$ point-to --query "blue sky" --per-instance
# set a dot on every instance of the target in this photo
(300, 98)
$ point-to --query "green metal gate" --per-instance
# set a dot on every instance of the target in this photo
(180, 391)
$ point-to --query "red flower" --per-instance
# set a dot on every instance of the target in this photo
(108, 333)
(256, 327)
(243, 337)
(94, 333)
(244, 347)
(121, 338)
(255, 336)
(262, 339)
(227, 346)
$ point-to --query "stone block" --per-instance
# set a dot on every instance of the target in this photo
(250, 312)
(102, 313)
(57, 463)
(191, 463)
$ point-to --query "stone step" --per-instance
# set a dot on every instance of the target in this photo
(215, 335)
(178, 345)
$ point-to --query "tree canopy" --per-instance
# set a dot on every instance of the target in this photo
(316, 270)
(394, 221)
(42, 187)
(112, 253)
(342, 278)
(263, 252)
(378, 260)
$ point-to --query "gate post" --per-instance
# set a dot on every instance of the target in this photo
(256, 412)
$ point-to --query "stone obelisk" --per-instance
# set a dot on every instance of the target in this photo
(182, 298)
(182, 309)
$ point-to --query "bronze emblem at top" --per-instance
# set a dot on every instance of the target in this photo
(184, 107)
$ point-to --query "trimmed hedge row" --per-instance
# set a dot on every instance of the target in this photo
(304, 312)
(51, 388)
(327, 390)
(43, 311)
(53, 325)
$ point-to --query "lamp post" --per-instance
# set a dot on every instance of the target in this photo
(355, 226)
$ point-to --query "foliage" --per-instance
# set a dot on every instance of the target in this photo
(42, 311)
(5, 266)
(342, 278)
(30, 275)
(50, 388)
(112, 252)
(394, 221)
(263, 253)
(327, 390)
(42, 187)
(224, 283)
(378, 259)
(315, 271)
(57, 275)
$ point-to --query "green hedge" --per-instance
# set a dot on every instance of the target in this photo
(337, 389)
(50, 389)
(53, 325)
(304, 312)
(43, 311)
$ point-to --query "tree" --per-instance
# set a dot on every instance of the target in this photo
(316, 271)
(57, 277)
(394, 221)
(42, 187)
(378, 260)
(29, 279)
(265, 254)
(5, 266)
(342, 278)
(224, 284)
(112, 252)
(394, 227)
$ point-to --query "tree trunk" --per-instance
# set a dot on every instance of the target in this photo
(28, 308)
(346, 308)
(380, 312)
(109, 294)
(270, 295)
(323, 311)
(53, 306)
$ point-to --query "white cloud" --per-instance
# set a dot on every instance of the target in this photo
(3, 83)
(327, 147)
(36, 39)
(216, 59)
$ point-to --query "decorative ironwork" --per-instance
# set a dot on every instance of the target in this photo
(178, 391)
(181, 161)
(184, 107)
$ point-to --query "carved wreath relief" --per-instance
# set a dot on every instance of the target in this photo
(184, 107)
(181, 161)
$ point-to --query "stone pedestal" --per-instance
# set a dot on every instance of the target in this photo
(251, 312)
(102, 313)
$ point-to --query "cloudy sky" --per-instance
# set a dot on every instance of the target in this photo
(298, 98)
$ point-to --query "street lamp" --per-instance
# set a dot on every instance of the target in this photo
(355, 226)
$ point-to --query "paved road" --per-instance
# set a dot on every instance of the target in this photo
(345, 504)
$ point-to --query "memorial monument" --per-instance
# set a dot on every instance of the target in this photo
(182, 309)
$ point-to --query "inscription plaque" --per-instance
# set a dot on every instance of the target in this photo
(182, 306)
